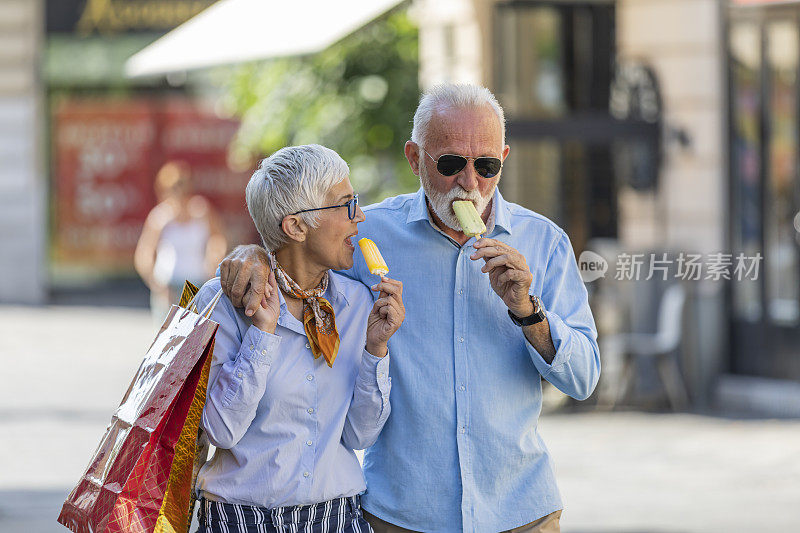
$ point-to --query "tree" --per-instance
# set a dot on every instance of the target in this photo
(356, 97)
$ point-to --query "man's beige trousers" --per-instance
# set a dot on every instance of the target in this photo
(546, 524)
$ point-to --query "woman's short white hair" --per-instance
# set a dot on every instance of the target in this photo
(458, 95)
(290, 180)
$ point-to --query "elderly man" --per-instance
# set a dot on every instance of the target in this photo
(486, 320)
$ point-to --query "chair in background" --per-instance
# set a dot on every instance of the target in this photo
(660, 347)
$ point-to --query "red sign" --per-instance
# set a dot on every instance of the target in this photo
(103, 181)
(106, 154)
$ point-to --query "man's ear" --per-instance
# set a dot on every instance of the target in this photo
(295, 228)
(412, 154)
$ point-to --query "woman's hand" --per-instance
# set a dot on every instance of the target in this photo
(386, 316)
(266, 317)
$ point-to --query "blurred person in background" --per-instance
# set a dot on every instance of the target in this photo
(182, 239)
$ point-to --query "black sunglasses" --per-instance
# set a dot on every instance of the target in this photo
(351, 208)
(451, 164)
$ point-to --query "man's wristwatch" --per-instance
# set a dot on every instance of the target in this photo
(537, 316)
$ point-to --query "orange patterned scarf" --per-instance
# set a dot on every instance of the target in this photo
(318, 317)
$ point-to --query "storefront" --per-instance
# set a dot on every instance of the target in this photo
(666, 125)
(561, 68)
(109, 135)
(763, 41)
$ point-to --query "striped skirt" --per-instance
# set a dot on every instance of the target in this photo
(342, 515)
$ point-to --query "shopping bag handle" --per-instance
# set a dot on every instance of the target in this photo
(206, 313)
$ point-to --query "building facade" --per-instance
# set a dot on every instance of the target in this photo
(22, 174)
(82, 143)
(639, 126)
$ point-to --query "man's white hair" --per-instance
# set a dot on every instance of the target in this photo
(290, 180)
(459, 95)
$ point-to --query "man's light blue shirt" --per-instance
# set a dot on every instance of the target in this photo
(461, 450)
(285, 424)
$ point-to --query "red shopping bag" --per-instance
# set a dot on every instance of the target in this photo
(124, 486)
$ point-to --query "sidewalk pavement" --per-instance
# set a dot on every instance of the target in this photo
(66, 369)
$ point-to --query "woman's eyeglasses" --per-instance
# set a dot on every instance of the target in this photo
(451, 164)
(351, 208)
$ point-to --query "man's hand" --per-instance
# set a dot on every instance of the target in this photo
(244, 276)
(511, 279)
(509, 274)
(386, 316)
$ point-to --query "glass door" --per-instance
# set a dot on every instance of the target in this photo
(553, 73)
(764, 48)
(781, 257)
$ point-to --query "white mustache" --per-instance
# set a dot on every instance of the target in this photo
(442, 203)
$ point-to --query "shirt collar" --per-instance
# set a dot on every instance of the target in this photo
(335, 290)
(419, 208)
(501, 213)
(500, 216)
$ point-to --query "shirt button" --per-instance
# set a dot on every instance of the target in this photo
(463, 388)
(306, 474)
(461, 339)
(310, 377)
(308, 345)
(263, 352)
(311, 410)
(460, 291)
(463, 430)
(309, 443)
(239, 374)
(251, 347)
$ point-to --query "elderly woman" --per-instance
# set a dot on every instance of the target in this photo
(300, 385)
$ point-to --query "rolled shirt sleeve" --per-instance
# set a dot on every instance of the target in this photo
(576, 366)
(370, 405)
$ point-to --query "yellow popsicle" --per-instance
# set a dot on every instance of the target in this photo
(373, 257)
(471, 223)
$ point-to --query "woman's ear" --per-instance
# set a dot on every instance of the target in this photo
(295, 228)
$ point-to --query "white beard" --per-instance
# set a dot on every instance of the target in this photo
(442, 203)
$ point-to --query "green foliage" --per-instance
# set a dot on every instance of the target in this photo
(357, 97)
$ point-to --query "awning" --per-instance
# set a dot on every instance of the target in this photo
(234, 31)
